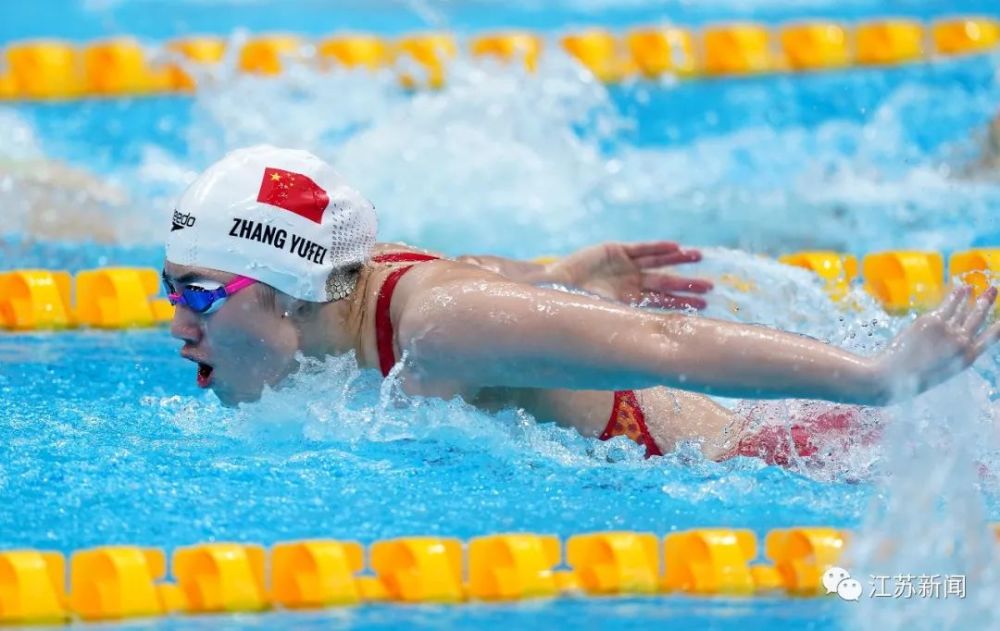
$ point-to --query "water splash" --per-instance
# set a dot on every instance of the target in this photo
(931, 521)
(348, 406)
(560, 160)
(550, 157)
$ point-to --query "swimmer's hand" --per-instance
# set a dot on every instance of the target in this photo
(631, 273)
(938, 344)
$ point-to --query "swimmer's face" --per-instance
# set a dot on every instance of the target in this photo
(242, 346)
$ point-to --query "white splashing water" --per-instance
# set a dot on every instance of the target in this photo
(496, 151)
(347, 405)
(937, 466)
(499, 152)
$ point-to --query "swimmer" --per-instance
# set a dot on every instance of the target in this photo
(271, 253)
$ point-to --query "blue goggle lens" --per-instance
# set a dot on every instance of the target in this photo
(195, 298)
(200, 300)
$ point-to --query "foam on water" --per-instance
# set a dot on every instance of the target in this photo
(348, 406)
(499, 152)
(357, 414)
(939, 459)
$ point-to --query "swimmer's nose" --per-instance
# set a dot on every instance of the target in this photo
(185, 326)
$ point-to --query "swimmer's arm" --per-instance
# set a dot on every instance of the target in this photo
(506, 334)
(494, 333)
(632, 273)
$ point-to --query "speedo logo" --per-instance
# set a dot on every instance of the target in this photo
(181, 221)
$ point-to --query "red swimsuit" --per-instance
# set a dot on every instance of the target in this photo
(627, 416)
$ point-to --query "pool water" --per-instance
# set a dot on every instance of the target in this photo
(105, 438)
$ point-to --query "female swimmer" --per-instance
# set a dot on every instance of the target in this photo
(271, 253)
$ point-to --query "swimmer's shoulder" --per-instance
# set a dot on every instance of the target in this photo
(423, 281)
(422, 285)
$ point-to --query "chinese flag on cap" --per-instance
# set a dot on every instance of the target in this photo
(293, 192)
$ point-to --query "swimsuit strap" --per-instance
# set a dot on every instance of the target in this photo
(383, 318)
(627, 417)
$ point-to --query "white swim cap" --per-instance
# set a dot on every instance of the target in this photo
(280, 216)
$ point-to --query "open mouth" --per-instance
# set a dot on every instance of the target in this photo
(204, 375)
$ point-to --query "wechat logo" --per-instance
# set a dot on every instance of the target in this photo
(837, 579)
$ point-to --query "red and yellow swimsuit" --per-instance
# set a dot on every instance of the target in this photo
(627, 416)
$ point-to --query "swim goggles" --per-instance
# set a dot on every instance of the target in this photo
(204, 300)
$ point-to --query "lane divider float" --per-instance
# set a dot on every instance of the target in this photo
(121, 582)
(902, 280)
(837, 270)
(122, 67)
(109, 298)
